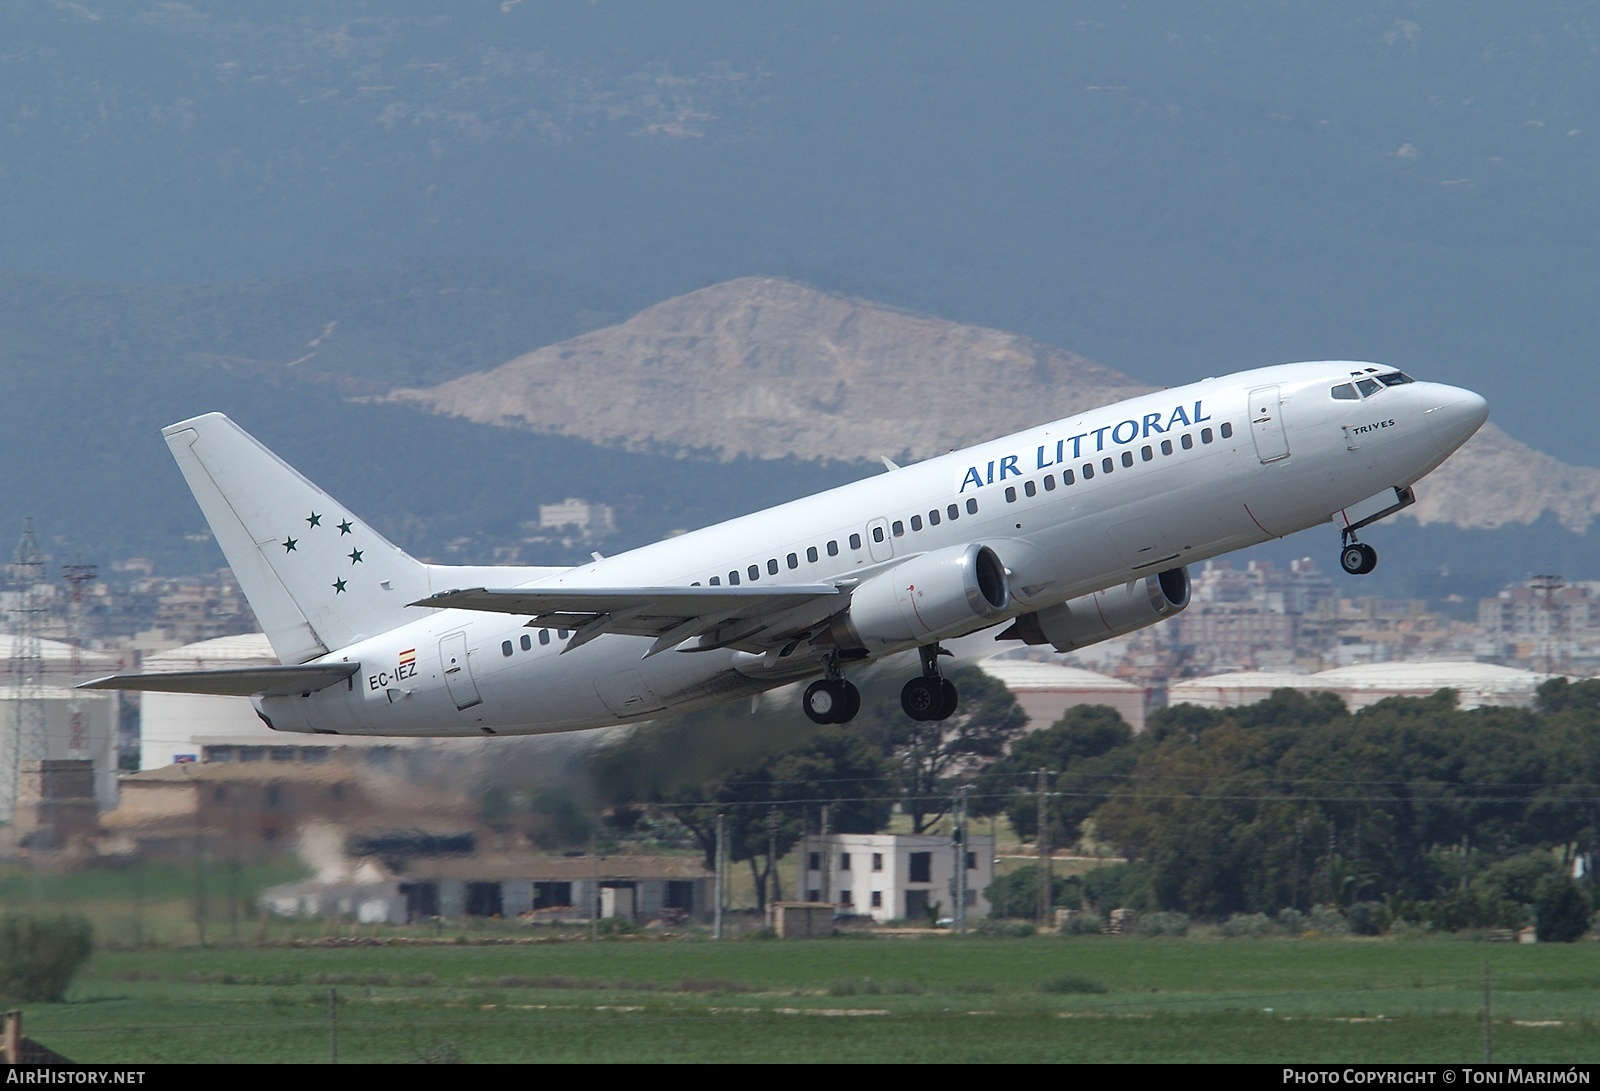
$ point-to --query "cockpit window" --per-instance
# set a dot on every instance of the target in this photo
(1345, 392)
(1368, 387)
(1395, 378)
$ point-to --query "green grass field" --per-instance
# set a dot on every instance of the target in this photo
(847, 999)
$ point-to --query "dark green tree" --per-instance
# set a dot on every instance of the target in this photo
(931, 758)
(1086, 753)
(39, 956)
(1561, 910)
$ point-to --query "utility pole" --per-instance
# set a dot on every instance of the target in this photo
(78, 576)
(722, 869)
(1043, 843)
(1488, 1043)
(826, 854)
(772, 855)
(958, 850)
(28, 738)
(594, 891)
(1548, 586)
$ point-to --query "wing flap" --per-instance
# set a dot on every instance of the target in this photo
(651, 610)
(233, 681)
(669, 614)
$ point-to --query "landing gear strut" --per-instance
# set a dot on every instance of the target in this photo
(931, 696)
(831, 700)
(1356, 558)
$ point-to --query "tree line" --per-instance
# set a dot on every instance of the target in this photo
(1411, 809)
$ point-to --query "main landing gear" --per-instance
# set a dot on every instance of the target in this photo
(1357, 558)
(831, 700)
(932, 696)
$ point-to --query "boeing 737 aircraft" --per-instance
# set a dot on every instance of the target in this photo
(1066, 534)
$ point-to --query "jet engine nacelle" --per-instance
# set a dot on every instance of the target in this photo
(944, 593)
(1115, 611)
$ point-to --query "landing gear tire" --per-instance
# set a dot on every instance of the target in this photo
(923, 699)
(929, 698)
(1358, 558)
(952, 699)
(852, 703)
(831, 701)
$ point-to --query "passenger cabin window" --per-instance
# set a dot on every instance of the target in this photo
(898, 529)
(544, 636)
(1011, 494)
(1127, 459)
(1067, 477)
(855, 541)
(933, 518)
(1088, 471)
(772, 565)
(1105, 465)
(1205, 435)
(1345, 392)
(877, 534)
(754, 572)
(716, 581)
(1049, 482)
(972, 507)
(952, 512)
(811, 554)
(1226, 430)
(1030, 488)
(916, 522)
(1186, 441)
(792, 561)
(1146, 453)
(833, 549)
(1166, 446)
(733, 579)
(505, 647)
(527, 642)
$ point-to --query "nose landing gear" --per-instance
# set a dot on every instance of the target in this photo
(931, 696)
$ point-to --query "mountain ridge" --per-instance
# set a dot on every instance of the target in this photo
(767, 368)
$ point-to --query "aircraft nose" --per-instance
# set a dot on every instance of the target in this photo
(1455, 414)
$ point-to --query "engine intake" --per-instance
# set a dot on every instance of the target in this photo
(1116, 611)
(929, 597)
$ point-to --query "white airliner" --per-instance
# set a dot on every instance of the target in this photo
(1069, 533)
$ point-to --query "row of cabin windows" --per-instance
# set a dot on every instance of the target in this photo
(1108, 464)
(527, 640)
(792, 561)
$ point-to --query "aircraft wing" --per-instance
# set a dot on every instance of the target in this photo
(733, 616)
(233, 681)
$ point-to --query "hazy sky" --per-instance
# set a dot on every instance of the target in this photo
(1176, 189)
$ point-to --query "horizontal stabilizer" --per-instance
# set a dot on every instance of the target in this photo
(235, 681)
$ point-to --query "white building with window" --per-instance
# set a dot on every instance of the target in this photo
(888, 876)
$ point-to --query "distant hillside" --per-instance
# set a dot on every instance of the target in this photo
(693, 410)
(1495, 481)
(768, 368)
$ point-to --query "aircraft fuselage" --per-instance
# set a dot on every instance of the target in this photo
(1070, 508)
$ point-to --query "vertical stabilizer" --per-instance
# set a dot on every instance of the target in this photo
(317, 577)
